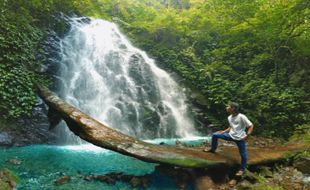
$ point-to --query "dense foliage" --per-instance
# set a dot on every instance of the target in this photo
(23, 27)
(253, 52)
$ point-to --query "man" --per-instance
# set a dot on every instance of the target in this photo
(238, 123)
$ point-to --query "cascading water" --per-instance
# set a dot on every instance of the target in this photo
(106, 77)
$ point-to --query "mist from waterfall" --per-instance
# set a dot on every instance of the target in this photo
(103, 75)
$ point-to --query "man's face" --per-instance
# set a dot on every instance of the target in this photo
(229, 109)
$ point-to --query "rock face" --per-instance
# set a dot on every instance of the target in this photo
(98, 134)
(28, 130)
(32, 130)
(5, 138)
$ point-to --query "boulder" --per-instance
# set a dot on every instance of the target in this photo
(244, 185)
(232, 183)
(303, 164)
(7, 179)
(204, 182)
(14, 161)
(135, 182)
(251, 177)
(106, 178)
(265, 171)
(62, 180)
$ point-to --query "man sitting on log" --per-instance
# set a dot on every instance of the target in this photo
(238, 123)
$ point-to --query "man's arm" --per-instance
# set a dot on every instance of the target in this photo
(250, 130)
(249, 125)
(224, 131)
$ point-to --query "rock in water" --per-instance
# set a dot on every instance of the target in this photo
(62, 180)
(14, 161)
(135, 182)
(106, 178)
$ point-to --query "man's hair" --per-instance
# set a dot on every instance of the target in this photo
(235, 106)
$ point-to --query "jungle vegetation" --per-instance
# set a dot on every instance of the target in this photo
(255, 52)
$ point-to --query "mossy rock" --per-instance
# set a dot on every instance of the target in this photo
(265, 171)
(4, 185)
(7, 179)
(303, 164)
(257, 186)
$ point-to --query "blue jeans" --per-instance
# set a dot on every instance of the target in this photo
(240, 144)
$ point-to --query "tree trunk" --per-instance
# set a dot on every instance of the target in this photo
(100, 135)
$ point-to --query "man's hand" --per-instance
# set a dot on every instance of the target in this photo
(246, 137)
(224, 131)
(250, 130)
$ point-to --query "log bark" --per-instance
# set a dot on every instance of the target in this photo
(101, 135)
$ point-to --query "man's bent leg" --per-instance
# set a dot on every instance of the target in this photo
(216, 136)
(243, 154)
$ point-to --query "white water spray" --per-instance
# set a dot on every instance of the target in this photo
(106, 77)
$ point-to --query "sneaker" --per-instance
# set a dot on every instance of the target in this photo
(240, 173)
(209, 150)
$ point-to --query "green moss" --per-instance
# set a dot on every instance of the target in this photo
(199, 163)
(266, 187)
(4, 185)
(7, 177)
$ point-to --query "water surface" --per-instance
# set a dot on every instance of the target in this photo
(41, 165)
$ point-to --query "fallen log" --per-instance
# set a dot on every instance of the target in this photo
(100, 135)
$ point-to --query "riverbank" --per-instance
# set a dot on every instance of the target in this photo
(63, 167)
(291, 173)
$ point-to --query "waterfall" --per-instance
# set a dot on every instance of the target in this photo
(105, 76)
